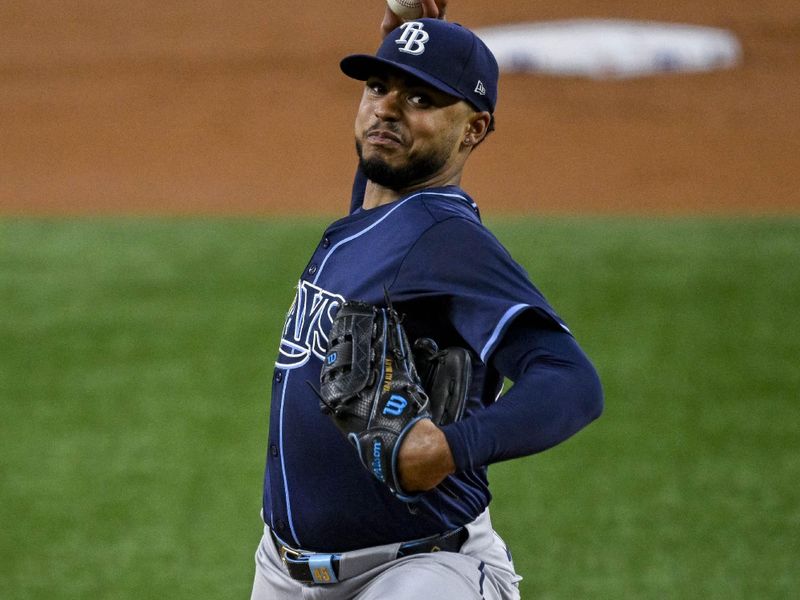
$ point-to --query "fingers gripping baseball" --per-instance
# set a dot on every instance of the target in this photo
(433, 9)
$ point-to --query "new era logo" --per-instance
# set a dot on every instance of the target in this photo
(479, 89)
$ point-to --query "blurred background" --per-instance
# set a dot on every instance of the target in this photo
(165, 166)
(240, 107)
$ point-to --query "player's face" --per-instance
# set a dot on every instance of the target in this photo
(408, 133)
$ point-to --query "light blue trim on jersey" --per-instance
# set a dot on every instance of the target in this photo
(379, 221)
(356, 235)
(459, 196)
(283, 463)
(510, 314)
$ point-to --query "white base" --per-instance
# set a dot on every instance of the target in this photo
(607, 49)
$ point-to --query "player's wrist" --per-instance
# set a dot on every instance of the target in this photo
(425, 459)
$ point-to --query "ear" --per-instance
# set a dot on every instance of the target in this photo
(477, 128)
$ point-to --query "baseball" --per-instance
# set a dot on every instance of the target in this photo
(406, 9)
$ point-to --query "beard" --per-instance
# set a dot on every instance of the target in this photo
(417, 169)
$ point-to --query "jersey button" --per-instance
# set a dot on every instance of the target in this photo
(326, 243)
(278, 376)
(273, 450)
(280, 525)
(312, 269)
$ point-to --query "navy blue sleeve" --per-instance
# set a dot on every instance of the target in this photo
(459, 261)
(556, 393)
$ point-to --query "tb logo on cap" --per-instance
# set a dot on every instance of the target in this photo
(413, 39)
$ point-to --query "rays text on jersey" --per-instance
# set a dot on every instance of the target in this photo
(308, 322)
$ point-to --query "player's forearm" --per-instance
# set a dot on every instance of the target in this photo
(554, 396)
(540, 411)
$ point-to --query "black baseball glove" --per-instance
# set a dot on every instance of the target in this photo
(446, 375)
(370, 386)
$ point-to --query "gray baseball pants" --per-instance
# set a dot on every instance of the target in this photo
(482, 570)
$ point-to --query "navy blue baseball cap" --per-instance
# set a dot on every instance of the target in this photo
(444, 55)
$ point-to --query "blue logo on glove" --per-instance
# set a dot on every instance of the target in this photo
(331, 358)
(377, 469)
(395, 406)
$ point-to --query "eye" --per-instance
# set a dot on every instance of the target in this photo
(420, 100)
(376, 86)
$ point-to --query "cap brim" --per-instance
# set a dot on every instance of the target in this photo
(364, 66)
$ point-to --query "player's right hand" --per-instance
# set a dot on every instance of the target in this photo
(433, 9)
(425, 458)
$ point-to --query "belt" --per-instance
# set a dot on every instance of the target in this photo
(311, 567)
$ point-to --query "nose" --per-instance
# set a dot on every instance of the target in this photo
(387, 106)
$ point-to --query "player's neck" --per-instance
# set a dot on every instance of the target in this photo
(377, 195)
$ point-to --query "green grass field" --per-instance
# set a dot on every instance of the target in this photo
(135, 357)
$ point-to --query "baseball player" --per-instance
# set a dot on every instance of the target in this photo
(415, 522)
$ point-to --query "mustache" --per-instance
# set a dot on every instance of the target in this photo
(385, 126)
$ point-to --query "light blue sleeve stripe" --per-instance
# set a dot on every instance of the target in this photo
(510, 314)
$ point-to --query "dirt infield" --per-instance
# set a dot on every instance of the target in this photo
(209, 107)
